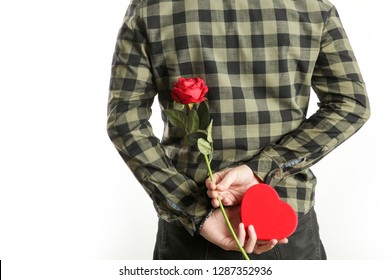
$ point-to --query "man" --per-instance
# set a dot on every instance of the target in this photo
(260, 60)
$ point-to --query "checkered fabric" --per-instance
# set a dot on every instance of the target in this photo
(260, 59)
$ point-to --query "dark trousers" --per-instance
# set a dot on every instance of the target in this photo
(175, 243)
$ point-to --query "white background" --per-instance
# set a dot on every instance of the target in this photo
(66, 193)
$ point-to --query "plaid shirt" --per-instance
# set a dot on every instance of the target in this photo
(260, 60)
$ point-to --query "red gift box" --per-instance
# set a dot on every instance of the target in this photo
(271, 217)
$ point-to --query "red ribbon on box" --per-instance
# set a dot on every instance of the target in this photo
(271, 217)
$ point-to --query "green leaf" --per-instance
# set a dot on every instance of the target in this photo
(192, 121)
(178, 106)
(200, 158)
(210, 132)
(204, 147)
(202, 134)
(187, 141)
(176, 117)
(190, 139)
(204, 116)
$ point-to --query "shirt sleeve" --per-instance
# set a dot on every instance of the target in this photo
(176, 197)
(343, 109)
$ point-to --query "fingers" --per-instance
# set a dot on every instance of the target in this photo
(252, 245)
(247, 244)
(226, 201)
(213, 191)
(210, 185)
(264, 246)
(283, 241)
(222, 180)
(228, 178)
(218, 176)
(241, 234)
(252, 239)
(212, 194)
(215, 202)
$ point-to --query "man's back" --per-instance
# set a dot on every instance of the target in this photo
(260, 60)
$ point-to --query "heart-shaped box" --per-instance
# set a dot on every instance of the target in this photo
(271, 217)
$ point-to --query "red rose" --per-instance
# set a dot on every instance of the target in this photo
(189, 90)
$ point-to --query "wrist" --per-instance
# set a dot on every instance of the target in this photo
(200, 226)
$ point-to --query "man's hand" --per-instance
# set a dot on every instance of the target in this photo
(231, 184)
(217, 232)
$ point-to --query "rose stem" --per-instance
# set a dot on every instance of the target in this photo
(224, 212)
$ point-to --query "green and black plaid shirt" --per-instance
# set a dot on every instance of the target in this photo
(260, 59)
